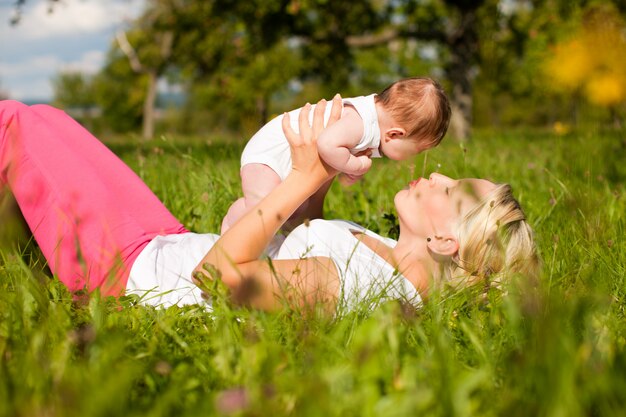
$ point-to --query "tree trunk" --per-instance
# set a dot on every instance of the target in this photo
(461, 120)
(462, 43)
(262, 110)
(147, 131)
(617, 122)
(165, 41)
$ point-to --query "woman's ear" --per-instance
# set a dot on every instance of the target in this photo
(443, 245)
(395, 133)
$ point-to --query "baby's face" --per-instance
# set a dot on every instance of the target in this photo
(400, 149)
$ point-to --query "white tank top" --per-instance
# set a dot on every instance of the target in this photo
(366, 278)
(161, 274)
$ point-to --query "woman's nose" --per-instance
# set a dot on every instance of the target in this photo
(437, 178)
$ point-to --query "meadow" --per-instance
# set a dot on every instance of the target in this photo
(556, 347)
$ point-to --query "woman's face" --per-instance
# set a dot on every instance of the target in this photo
(429, 207)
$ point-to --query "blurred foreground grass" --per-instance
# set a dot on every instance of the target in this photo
(557, 349)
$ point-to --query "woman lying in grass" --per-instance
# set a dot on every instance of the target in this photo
(100, 227)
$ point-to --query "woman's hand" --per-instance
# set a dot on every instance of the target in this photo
(304, 155)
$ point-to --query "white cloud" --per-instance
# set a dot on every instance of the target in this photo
(71, 17)
(32, 65)
(40, 89)
(74, 37)
(89, 63)
(31, 78)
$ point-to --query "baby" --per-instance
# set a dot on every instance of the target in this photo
(406, 118)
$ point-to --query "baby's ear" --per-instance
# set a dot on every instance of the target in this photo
(395, 133)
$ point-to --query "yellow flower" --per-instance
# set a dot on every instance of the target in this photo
(606, 89)
(560, 128)
(570, 65)
(593, 60)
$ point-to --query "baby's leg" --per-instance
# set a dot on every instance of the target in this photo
(235, 212)
(312, 208)
(257, 181)
(90, 213)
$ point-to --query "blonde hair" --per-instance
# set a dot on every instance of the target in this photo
(495, 243)
(420, 106)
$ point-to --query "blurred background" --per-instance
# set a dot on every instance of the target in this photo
(228, 66)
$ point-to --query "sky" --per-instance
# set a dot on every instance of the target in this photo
(75, 36)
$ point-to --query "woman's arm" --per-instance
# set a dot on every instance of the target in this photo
(336, 141)
(236, 254)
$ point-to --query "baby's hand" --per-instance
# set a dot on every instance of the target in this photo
(366, 164)
(364, 158)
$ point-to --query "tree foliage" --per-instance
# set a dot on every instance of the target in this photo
(120, 93)
(239, 62)
(73, 90)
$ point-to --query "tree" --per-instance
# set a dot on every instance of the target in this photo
(218, 39)
(249, 52)
(249, 89)
(73, 90)
(332, 32)
(150, 54)
(120, 93)
(451, 26)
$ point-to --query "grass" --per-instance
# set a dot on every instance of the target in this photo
(557, 349)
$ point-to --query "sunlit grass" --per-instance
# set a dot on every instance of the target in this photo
(555, 349)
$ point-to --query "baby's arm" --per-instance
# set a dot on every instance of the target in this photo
(335, 142)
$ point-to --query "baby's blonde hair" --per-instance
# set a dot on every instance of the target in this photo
(495, 243)
(420, 106)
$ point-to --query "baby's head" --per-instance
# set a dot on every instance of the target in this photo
(417, 114)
